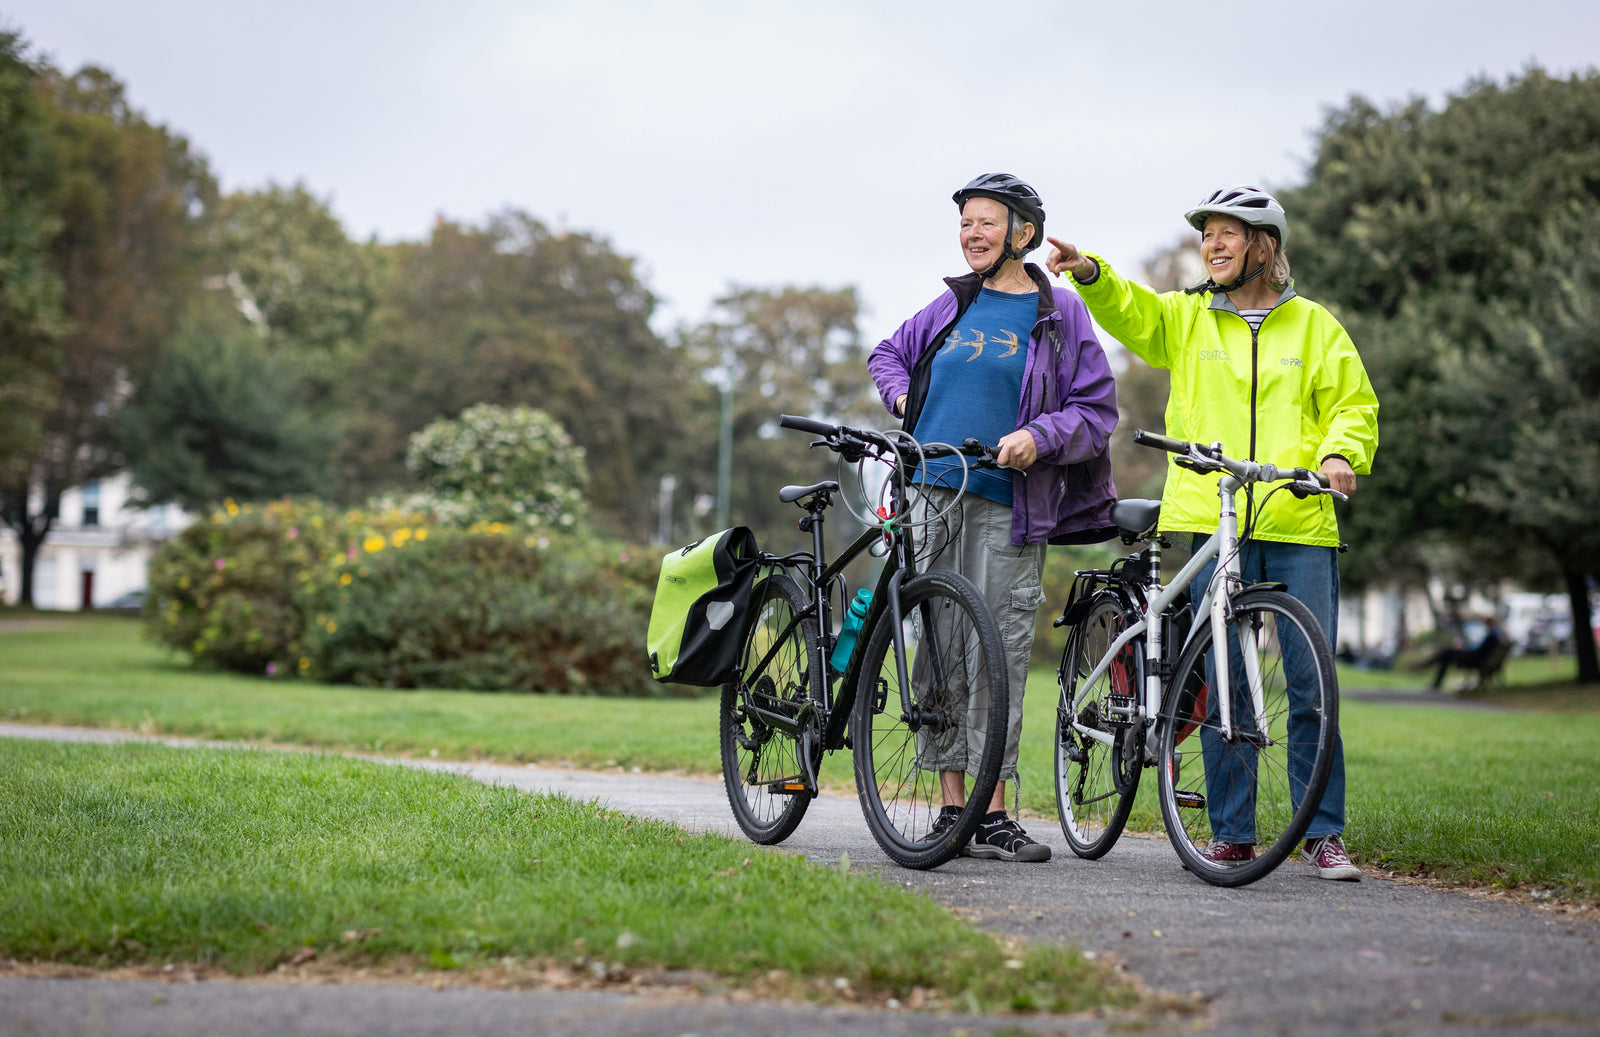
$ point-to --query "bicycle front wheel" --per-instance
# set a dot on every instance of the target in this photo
(767, 716)
(1099, 748)
(947, 725)
(1258, 785)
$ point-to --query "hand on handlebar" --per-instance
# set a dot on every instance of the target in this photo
(1340, 475)
(1017, 450)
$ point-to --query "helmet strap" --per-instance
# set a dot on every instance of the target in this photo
(1210, 285)
(1005, 252)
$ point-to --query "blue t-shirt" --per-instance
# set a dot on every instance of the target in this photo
(976, 386)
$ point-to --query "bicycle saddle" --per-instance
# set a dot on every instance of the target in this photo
(790, 494)
(1135, 517)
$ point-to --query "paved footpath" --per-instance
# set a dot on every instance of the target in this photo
(1290, 954)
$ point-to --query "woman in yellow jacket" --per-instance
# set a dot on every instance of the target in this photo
(1269, 374)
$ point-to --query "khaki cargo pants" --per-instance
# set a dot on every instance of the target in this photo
(974, 539)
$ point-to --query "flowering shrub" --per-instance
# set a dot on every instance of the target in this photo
(392, 599)
(488, 608)
(499, 464)
(232, 590)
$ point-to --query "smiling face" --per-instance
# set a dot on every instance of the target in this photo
(1223, 247)
(983, 232)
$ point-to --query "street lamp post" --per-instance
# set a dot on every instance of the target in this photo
(725, 443)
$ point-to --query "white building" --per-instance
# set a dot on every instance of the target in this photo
(98, 549)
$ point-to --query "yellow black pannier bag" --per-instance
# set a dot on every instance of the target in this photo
(701, 609)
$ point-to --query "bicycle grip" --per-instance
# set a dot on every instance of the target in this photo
(804, 424)
(1151, 439)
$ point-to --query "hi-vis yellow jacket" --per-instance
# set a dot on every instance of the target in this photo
(1292, 394)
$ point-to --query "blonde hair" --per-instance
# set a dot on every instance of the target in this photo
(1276, 260)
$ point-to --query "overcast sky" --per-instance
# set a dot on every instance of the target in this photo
(768, 143)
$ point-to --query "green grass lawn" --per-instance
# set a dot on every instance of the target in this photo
(1505, 797)
(1508, 798)
(242, 860)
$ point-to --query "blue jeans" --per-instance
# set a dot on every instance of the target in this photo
(1311, 574)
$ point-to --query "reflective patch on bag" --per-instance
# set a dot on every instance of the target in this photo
(701, 607)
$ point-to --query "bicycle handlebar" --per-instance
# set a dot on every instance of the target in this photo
(843, 438)
(1200, 457)
(804, 424)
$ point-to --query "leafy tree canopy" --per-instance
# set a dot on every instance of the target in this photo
(294, 270)
(221, 415)
(30, 291)
(1459, 247)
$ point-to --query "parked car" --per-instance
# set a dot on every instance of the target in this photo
(133, 601)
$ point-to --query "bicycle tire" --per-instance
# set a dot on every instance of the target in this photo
(897, 777)
(1275, 787)
(1096, 783)
(760, 762)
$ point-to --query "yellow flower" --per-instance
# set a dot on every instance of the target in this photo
(332, 626)
(373, 545)
(422, 534)
(344, 580)
(233, 509)
(400, 536)
(304, 663)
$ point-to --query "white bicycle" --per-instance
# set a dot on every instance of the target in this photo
(1138, 685)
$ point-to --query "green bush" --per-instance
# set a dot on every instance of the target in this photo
(227, 589)
(389, 599)
(501, 464)
(487, 608)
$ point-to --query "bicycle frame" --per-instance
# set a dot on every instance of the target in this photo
(1216, 605)
(819, 579)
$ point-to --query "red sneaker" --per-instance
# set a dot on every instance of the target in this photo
(1327, 853)
(1220, 852)
(1227, 854)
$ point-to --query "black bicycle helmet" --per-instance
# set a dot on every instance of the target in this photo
(1016, 195)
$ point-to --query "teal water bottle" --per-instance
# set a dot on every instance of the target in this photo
(850, 630)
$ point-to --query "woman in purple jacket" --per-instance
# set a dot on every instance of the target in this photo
(1005, 357)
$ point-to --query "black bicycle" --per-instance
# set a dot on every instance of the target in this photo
(922, 701)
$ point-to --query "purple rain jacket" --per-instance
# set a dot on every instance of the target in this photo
(1069, 403)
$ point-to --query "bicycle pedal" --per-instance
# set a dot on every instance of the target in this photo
(789, 788)
(1191, 800)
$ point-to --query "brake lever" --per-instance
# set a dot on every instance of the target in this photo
(1185, 461)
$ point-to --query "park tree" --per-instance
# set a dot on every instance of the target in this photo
(516, 313)
(787, 350)
(294, 271)
(30, 291)
(128, 200)
(221, 414)
(1458, 246)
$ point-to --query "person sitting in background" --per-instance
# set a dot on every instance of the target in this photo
(1467, 658)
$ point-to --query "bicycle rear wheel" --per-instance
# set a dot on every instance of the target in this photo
(1096, 780)
(957, 719)
(1262, 785)
(767, 716)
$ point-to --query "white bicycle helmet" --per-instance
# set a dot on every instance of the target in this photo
(1250, 205)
